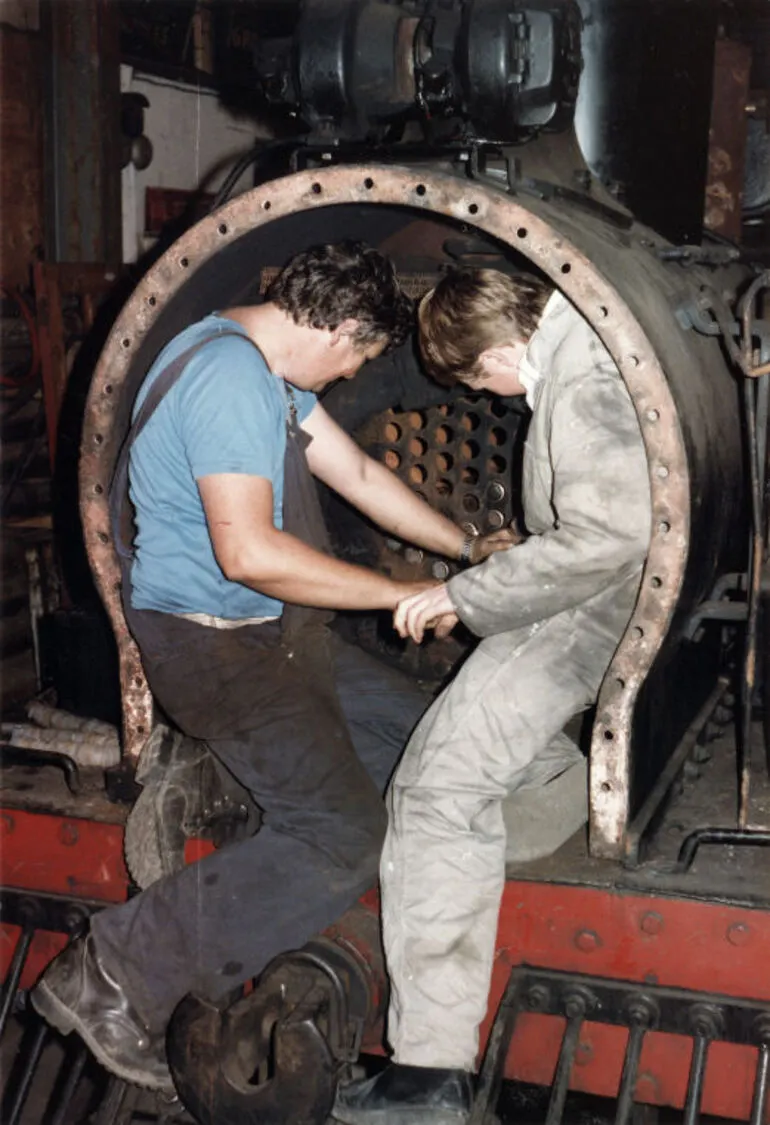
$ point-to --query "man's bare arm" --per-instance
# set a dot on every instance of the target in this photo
(369, 486)
(251, 550)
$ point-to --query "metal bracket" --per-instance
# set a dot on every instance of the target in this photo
(704, 1017)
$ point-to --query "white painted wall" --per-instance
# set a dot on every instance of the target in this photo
(195, 142)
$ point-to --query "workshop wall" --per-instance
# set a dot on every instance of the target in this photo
(194, 142)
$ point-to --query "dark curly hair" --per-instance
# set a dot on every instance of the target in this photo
(324, 285)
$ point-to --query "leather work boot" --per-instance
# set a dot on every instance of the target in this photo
(406, 1095)
(75, 993)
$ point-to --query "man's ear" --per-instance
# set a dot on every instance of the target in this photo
(502, 355)
(347, 328)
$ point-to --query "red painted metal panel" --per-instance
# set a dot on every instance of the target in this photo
(678, 942)
(62, 855)
(675, 942)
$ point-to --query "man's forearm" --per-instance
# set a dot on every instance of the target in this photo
(392, 505)
(283, 567)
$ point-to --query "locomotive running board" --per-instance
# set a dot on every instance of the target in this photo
(703, 1017)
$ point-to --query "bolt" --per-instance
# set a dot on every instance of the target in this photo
(496, 492)
(578, 1002)
(495, 520)
(587, 941)
(738, 934)
(75, 919)
(413, 555)
(440, 570)
(537, 997)
(705, 1021)
(641, 1010)
(651, 923)
(68, 834)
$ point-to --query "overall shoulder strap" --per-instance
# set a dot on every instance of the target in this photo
(121, 516)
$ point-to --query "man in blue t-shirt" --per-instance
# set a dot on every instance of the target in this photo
(229, 591)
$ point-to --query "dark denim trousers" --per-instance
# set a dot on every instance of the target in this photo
(313, 727)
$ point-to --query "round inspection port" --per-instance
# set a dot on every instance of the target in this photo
(469, 475)
(444, 462)
(444, 434)
(444, 487)
(497, 436)
(469, 450)
(496, 466)
(418, 447)
(471, 503)
(470, 421)
(392, 432)
(392, 459)
(417, 420)
(418, 474)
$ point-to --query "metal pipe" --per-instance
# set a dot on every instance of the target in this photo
(117, 1106)
(641, 1015)
(625, 1104)
(695, 1084)
(761, 1086)
(748, 680)
(14, 974)
(70, 1086)
(742, 836)
(560, 1087)
(25, 1081)
(499, 1039)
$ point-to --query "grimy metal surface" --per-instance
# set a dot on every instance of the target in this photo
(684, 396)
(83, 131)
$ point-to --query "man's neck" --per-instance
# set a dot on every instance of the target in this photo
(272, 330)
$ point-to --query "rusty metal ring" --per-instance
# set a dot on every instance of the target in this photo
(505, 218)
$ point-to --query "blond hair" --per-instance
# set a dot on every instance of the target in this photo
(472, 310)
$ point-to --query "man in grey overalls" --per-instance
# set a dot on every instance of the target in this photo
(550, 613)
(227, 591)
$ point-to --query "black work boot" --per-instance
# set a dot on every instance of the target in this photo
(76, 993)
(406, 1095)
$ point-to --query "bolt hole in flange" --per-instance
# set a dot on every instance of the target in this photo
(505, 220)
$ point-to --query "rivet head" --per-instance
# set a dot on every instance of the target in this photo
(738, 934)
(68, 834)
(651, 923)
(587, 941)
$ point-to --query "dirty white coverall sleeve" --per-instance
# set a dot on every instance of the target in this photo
(551, 612)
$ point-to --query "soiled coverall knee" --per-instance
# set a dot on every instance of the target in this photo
(550, 613)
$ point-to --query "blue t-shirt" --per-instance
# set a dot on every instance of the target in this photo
(225, 414)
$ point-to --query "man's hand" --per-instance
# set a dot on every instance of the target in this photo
(430, 609)
(485, 545)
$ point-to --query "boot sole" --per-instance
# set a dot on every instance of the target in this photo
(401, 1116)
(48, 1005)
